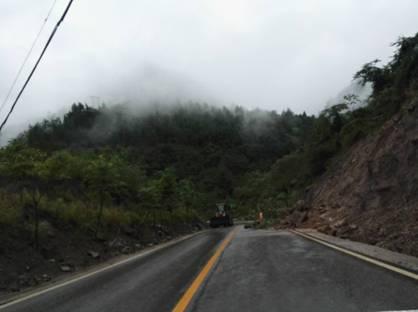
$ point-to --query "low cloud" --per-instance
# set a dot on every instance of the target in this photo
(268, 54)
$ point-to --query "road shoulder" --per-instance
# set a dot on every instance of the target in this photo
(396, 259)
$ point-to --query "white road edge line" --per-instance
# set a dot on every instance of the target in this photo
(359, 256)
(94, 272)
(399, 311)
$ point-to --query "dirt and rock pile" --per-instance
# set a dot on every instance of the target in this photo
(372, 194)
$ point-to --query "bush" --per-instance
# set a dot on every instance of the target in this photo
(77, 213)
(10, 210)
(115, 217)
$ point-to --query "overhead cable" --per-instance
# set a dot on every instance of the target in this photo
(36, 64)
(6, 99)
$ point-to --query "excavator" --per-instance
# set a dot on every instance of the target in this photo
(222, 216)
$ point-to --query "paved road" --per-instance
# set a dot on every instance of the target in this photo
(258, 271)
(271, 271)
(152, 283)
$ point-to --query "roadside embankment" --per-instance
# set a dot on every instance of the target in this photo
(65, 251)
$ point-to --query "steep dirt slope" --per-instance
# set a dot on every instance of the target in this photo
(66, 249)
(372, 194)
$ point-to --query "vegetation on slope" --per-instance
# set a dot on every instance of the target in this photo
(333, 133)
(99, 169)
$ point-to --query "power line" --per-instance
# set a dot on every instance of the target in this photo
(6, 99)
(36, 64)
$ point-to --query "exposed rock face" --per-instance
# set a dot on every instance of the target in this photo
(372, 195)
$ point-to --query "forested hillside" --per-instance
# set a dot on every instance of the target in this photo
(102, 181)
(168, 160)
(100, 170)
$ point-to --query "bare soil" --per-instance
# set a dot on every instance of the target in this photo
(65, 249)
(371, 195)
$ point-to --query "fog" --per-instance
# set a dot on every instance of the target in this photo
(268, 54)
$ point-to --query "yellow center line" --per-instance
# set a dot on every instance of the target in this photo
(194, 287)
(360, 256)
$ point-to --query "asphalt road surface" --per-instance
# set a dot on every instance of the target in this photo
(258, 271)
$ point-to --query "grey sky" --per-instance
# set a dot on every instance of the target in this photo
(271, 54)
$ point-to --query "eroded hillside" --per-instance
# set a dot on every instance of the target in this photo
(371, 195)
(368, 191)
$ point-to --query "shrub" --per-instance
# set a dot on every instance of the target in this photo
(10, 210)
(114, 217)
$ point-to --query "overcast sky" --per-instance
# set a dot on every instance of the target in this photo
(271, 54)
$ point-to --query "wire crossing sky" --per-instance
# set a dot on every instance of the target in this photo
(269, 54)
(36, 64)
(38, 35)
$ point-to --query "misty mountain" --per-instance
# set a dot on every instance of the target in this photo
(213, 146)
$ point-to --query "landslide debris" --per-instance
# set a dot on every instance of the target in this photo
(372, 195)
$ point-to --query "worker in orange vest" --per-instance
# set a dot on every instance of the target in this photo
(260, 217)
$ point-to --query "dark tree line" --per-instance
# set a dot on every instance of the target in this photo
(211, 146)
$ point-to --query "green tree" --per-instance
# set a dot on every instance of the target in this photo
(102, 177)
(24, 166)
